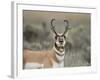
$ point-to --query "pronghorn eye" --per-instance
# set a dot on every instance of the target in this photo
(64, 36)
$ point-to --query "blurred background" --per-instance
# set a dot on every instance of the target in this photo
(37, 34)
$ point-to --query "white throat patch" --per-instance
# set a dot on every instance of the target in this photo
(62, 53)
(60, 58)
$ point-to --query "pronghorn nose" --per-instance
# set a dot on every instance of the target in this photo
(61, 40)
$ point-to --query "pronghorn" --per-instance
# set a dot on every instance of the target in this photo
(53, 58)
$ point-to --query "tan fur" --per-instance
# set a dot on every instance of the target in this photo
(44, 57)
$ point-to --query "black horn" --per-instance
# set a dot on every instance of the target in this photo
(67, 26)
(53, 27)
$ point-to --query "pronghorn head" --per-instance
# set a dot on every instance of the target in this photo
(60, 38)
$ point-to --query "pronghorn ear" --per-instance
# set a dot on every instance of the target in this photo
(54, 36)
(65, 35)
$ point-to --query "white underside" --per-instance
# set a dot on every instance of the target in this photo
(33, 66)
(40, 66)
(58, 65)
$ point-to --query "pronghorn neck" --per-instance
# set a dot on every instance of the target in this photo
(59, 55)
(56, 49)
